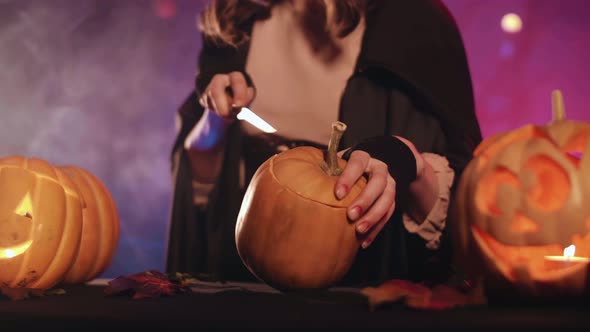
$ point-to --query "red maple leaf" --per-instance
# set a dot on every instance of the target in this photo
(147, 284)
(418, 296)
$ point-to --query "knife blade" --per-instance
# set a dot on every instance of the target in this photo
(247, 115)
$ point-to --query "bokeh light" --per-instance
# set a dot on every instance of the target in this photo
(511, 23)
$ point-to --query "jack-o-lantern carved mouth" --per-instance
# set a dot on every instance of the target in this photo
(15, 231)
(513, 261)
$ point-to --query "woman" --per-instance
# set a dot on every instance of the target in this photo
(394, 71)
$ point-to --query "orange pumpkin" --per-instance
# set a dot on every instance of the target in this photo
(524, 197)
(40, 223)
(291, 231)
(100, 227)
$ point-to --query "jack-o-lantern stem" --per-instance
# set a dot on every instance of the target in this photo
(330, 163)
(558, 106)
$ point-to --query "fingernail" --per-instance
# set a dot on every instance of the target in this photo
(362, 227)
(366, 243)
(341, 191)
(355, 213)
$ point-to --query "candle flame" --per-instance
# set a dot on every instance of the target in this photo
(569, 251)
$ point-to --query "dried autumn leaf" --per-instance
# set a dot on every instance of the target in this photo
(418, 296)
(147, 284)
(393, 291)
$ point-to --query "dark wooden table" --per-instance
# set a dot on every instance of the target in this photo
(87, 306)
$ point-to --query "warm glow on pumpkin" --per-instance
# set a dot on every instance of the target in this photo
(7, 253)
(57, 224)
(40, 223)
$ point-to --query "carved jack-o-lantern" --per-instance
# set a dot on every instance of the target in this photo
(523, 198)
(40, 223)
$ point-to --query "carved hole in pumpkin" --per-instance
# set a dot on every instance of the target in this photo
(552, 187)
(522, 224)
(575, 146)
(25, 207)
(487, 190)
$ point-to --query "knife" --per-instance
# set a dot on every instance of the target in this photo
(245, 114)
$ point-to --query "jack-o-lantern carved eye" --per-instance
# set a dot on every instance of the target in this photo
(552, 186)
(487, 192)
(548, 192)
(576, 145)
(25, 207)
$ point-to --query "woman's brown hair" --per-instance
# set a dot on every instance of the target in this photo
(230, 21)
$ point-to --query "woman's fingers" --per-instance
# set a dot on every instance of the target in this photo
(375, 199)
(239, 89)
(365, 203)
(217, 98)
(375, 204)
(227, 93)
(373, 220)
(355, 168)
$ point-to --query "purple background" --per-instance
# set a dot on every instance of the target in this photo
(96, 83)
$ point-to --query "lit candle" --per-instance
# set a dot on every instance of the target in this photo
(568, 259)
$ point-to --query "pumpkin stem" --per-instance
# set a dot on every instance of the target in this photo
(330, 163)
(558, 107)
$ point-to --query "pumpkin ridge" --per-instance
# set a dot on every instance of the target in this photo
(58, 251)
(102, 247)
(93, 267)
(83, 271)
(99, 226)
(69, 223)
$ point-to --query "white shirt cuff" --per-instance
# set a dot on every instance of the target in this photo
(431, 228)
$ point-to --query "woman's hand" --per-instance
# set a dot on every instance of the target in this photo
(220, 111)
(376, 203)
(222, 103)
